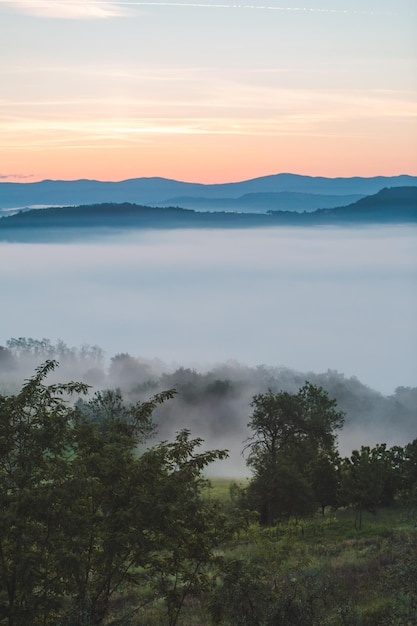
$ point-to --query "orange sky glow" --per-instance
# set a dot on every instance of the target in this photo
(194, 92)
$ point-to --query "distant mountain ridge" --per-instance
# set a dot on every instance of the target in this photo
(389, 206)
(226, 196)
(263, 202)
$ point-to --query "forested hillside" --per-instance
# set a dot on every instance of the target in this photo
(215, 404)
(389, 206)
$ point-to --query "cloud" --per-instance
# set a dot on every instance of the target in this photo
(15, 176)
(70, 9)
(223, 108)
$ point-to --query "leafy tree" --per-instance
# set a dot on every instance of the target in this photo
(101, 485)
(326, 479)
(290, 431)
(41, 348)
(408, 468)
(34, 440)
(371, 477)
(139, 518)
(185, 527)
(127, 372)
(85, 513)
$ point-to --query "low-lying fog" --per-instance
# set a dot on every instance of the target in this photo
(312, 300)
(309, 299)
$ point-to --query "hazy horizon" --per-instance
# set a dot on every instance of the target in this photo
(222, 181)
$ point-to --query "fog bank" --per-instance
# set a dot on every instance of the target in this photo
(309, 299)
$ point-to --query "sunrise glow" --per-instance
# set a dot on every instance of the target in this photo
(206, 92)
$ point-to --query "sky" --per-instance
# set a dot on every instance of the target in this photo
(207, 91)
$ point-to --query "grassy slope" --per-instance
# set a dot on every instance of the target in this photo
(334, 572)
(317, 572)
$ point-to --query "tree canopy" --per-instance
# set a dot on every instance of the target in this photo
(290, 431)
(84, 512)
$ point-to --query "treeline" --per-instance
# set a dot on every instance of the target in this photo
(296, 466)
(215, 404)
(388, 206)
(97, 526)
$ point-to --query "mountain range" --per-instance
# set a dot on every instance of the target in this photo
(284, 192)
(389, 206)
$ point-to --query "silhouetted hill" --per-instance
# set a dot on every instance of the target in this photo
(396, 205)
(392, 205)
(165, 192)
(264, 202)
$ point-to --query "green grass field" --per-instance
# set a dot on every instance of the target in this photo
(219, 488)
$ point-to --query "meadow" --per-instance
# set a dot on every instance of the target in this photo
(320, 571)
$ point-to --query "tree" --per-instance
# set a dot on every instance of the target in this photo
(138, 518)
(34, 439)
(326, 479)
(290, 431)
(371, 477)
(128, 372)
(85, 512)
(186, 528)
(98, 514)
(409, 474)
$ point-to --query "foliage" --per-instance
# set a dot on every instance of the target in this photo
(84, 515)
(326, 479)
(291, 432)
(409, 476)
(34, 442)
(319, 572)
(45, 349)
(372, 477)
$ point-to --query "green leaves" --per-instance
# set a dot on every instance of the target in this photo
(83, 514)
(289, 432)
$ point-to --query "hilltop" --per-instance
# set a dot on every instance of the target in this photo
(395, 205)
(290, 192)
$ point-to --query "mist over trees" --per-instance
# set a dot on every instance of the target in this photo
(215, 404)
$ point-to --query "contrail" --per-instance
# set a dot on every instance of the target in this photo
(101, 4)
(263, 7)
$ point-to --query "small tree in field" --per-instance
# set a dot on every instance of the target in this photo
(290, 431)
(372, 477)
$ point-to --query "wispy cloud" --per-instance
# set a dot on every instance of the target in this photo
(69, 9)
(15, 176)
(230, 110)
